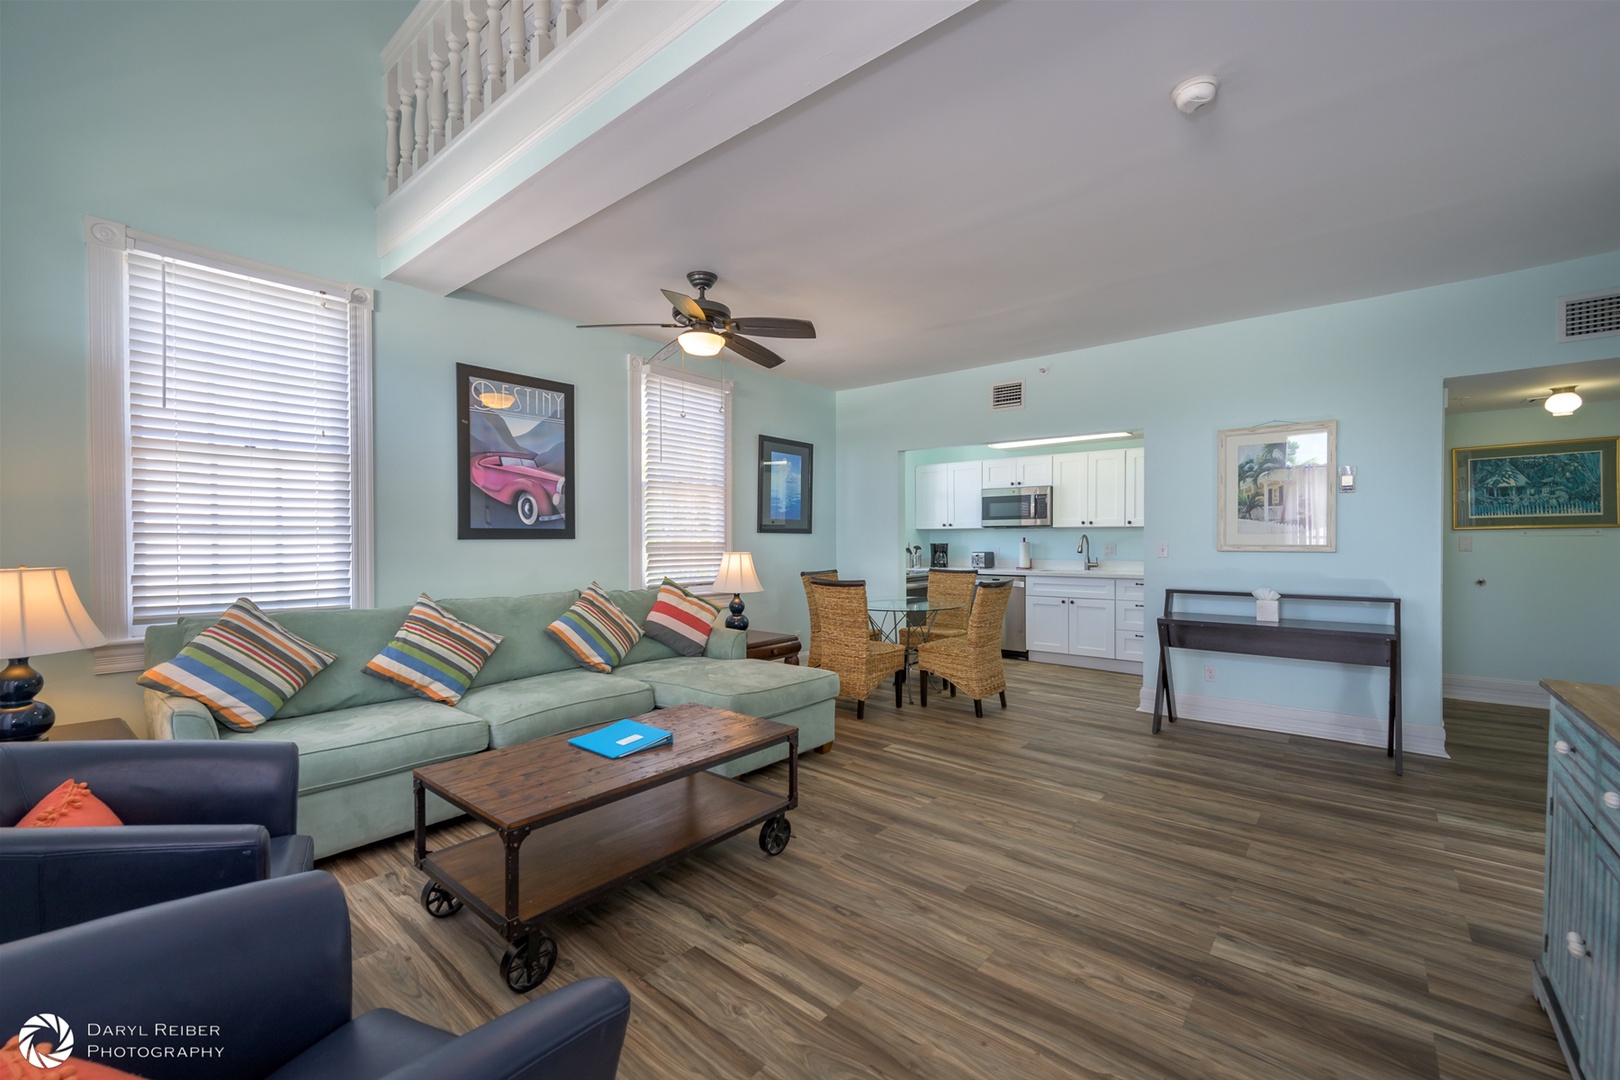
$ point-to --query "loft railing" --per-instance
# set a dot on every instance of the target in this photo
(454, 59)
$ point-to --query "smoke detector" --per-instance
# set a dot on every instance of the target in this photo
(1195, 93)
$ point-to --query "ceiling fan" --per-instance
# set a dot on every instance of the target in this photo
(706, 327)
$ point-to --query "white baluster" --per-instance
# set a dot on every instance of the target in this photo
(496, 49)
(567, 21)
(540, 39)
(391, 144)
(453, 73)
(591, 8)
(436, 90)
(516, 39)
(420, 157)
(475, 63)
(407, 130)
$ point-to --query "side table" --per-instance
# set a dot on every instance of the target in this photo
(772, 645)
(111, 728)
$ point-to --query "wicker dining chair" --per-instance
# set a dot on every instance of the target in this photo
(973, 662)
(950, 587)
(847, 649)
(806, 576)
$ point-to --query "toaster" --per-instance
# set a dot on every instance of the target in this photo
(983, 560)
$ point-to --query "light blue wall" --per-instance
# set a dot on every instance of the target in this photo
(1550, 605)
(1375, 365)
(1045, 545)
(255, 129)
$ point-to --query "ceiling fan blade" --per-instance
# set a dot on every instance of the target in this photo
(601, 325)
(788, 328)
(667, 351)
(685, 305)
(752, 350)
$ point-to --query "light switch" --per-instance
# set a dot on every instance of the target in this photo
(1465, 542)
(1164, 550)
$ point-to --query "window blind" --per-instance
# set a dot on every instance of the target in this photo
(240, 452)
(684, 469)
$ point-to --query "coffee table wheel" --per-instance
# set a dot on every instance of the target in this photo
(528, 961)
(438, 902)
(774, 835)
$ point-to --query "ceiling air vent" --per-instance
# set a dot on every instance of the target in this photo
(1007, 395)
(1592, 315)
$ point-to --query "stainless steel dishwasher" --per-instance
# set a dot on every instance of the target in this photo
(1012, 627)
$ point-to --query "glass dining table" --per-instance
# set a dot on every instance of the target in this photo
(890, 615)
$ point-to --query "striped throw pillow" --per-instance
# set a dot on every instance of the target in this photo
(680, 619)
(243, 668)
(435, 655)
(596, 630)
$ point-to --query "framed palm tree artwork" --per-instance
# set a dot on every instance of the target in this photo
(1569, 484)
(1277, 487)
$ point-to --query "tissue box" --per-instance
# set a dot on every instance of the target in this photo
(1265, 610)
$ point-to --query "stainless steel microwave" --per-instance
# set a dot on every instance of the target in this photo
(1015, 507)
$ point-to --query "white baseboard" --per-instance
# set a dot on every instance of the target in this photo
(1427, 739)
(1494, 691)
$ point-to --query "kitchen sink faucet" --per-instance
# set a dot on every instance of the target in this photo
(1085, 550)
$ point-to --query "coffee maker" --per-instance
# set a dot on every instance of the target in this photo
(939, 555)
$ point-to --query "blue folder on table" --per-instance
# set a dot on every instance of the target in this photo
(621, 738)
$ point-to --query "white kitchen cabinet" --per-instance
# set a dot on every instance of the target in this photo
(1035, 471)
(1070, 616)
(1135, 497)
(1128, 645)
(1088, 489)
(947, 495)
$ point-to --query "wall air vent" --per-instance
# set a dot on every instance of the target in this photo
(1007, 395)
(1591, 315)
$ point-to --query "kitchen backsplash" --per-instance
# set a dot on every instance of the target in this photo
(1045, 544)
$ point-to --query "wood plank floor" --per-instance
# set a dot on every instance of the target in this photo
(1053, 892)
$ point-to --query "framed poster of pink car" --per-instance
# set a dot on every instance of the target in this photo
(515, 455)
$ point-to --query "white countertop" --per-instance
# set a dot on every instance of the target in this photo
(1108, 569)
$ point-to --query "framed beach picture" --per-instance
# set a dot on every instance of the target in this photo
(1548, 485)
(1277, 487)
(785, 487)
(515, 456)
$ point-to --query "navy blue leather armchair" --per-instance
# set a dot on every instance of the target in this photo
(197, 816)
(254, 981)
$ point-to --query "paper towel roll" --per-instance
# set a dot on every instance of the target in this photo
(1023, 555)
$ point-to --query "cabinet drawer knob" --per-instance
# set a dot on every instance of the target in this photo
(1611, 799)
(1576, 943)
(1563, 747)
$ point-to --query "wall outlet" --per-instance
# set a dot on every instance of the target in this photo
(1465, 542)
(1209, 672)
(1164, 550)
(1110, 549)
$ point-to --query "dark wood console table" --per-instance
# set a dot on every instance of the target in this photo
(1295, 639)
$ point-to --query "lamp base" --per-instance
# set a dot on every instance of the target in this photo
(736, 620)
(21, 717)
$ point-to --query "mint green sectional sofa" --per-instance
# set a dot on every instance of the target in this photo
(359, 737)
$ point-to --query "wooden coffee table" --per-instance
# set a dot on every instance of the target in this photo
(591, 824)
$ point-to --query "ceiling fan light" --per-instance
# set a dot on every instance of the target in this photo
(702, 342)
(1563, 402)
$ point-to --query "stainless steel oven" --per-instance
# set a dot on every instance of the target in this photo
(1018, 507)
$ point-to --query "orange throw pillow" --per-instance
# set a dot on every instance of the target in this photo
(71, 804)
(13, 1066)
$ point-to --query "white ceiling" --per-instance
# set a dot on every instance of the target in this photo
(1596, 380)
(1015, 182)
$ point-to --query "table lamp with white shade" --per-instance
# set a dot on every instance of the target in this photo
(40, 614)
(736, 577)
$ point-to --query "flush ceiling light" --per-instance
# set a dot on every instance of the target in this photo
(1195, 93)
(702, 342)
(1020, 443)
(491, 399)
(1564, 401)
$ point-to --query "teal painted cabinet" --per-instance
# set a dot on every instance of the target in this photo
(1577, 978)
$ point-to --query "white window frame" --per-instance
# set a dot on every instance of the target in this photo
(639, 367)
(106, 243)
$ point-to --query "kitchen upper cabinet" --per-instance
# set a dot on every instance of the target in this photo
(1088, 488)
(1033, 471)
(948, 495)
(1135, 497)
